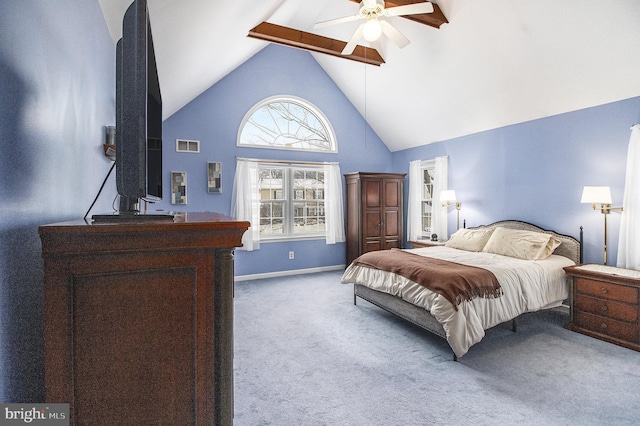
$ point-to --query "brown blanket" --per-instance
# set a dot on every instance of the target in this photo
(455, 281)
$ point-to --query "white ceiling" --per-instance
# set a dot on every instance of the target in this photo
(496, 63)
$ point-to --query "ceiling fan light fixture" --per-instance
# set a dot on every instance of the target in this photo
(371, 30)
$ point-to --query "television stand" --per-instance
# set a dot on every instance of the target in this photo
(138, 319)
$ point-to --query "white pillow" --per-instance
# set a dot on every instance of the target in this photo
(469, 239)
(521, 244)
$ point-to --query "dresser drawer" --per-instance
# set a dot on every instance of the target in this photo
(610, 327)
(607, 308)
(607, 290)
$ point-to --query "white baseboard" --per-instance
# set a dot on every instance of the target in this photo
(289, 272)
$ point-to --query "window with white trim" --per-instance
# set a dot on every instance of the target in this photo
(292, 202)
(426, 215)
(287, 122)
(426, 204)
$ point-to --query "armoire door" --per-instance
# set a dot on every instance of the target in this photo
(372, 215)
(392, 214)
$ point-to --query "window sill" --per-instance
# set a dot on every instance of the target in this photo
(290, 239)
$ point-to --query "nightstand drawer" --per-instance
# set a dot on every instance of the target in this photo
(607, 308)
(607, 326)
(425, 243)
(606, 290)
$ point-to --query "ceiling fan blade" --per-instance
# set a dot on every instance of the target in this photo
(336, 21)
(389, 30)
(410, 9)
(351, 45)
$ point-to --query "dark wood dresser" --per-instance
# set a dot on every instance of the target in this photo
(139, 319)
(605, 304)
(374, 212)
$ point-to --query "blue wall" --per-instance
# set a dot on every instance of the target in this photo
(535, 171)
(532, 171)
(57, 82)
(214, 119)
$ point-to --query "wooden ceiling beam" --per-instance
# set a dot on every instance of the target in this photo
(316, 43)
(434, 19)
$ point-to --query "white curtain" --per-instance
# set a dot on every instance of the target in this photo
(414, 203)
(629, 240)
(334, 212)
(245, 202)
(439, 212)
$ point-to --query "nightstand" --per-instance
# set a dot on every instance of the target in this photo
(425, 243)
(605, 303)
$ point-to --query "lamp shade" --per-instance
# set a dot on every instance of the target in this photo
(447, 196)
(596, 195)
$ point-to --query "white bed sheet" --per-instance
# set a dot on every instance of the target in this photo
(527, 286)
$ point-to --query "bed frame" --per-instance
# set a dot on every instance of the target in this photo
(570, 248)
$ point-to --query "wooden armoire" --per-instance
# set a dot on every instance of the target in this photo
(374, 212)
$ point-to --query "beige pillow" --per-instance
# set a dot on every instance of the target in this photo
(549, 249)
(521, 244)
(469, 239)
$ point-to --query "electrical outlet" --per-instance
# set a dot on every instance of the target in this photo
(290, 255)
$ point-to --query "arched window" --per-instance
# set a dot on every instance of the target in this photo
(287, 122)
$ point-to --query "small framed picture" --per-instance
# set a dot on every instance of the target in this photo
(178, 187)
(214, 178)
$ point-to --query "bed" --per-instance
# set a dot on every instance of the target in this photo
(501, 271)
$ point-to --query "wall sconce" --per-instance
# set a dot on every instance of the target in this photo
(447, 197)
(600, 195)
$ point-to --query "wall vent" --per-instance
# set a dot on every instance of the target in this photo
(184, 145)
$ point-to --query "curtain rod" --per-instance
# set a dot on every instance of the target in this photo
(309, 163)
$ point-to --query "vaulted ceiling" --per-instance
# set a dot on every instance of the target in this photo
(496, 63)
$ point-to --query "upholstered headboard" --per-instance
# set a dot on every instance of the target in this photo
(569, 248)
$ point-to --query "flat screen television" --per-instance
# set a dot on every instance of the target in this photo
(138, 114)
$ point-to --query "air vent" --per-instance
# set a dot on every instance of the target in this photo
(183, 145)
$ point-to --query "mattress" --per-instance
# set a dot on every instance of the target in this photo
(527, 286)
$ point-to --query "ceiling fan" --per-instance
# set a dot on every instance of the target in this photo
(371, 11)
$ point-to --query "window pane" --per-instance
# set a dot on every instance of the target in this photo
(270, 183)
(287, 123)
(301, 212)
(427, 202)
(426, 218)
(428, 185)
(309, 218)
(265, 210)
(277, 210)
(271, 218)
(271, 227)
